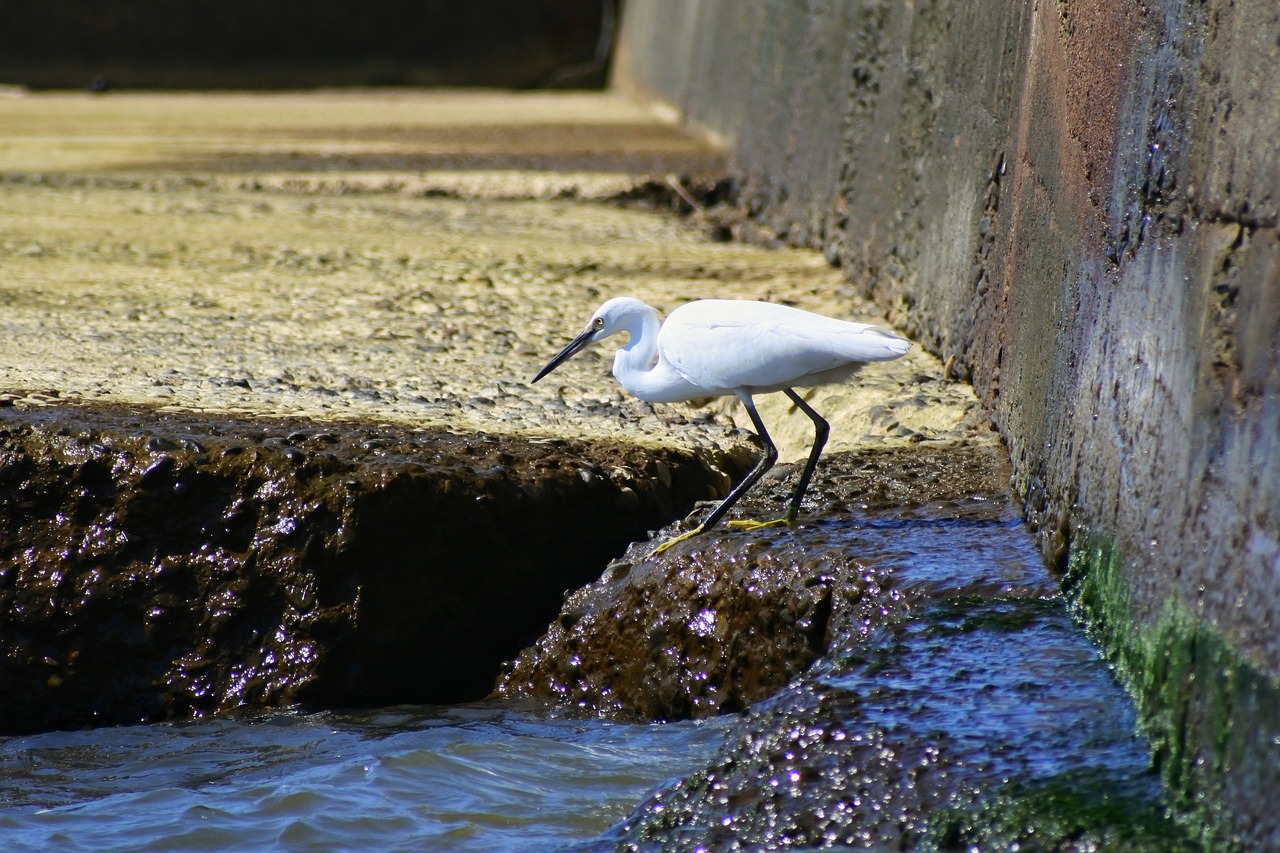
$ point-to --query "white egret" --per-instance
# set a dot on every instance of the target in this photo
(717, 347)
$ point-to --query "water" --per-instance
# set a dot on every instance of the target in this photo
(456, 779)
(962, 709)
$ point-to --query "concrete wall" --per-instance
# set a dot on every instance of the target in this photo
(1080, 203)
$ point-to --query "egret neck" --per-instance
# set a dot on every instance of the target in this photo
(639, 366)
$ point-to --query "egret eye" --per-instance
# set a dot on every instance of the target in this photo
(598, 322)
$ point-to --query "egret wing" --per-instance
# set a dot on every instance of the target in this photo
(723, 345)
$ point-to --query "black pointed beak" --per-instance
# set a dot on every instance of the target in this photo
(578, 343)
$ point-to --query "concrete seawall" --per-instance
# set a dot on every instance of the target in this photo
(1078, 207)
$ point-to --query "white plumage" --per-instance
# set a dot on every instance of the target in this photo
(726, 346)
(718, 347)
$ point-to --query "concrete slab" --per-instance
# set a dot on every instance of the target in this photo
(405, 257)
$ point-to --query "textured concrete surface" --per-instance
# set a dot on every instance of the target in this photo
(1078, 206)
(336, 256)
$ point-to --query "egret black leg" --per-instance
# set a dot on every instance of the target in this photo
(769, 457)
(821, 429)
(766, 462)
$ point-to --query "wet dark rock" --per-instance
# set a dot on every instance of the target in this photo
(945, 730)
(224, 568)
(914, 677)
(729, 618)
(682, 637)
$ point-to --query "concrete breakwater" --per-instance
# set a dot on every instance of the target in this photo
(265, 429)
(266, 439)
(1077, 206)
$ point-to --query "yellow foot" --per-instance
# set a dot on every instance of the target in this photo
(689, 534)
(743, 524)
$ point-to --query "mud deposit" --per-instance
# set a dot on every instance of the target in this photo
(157, 566)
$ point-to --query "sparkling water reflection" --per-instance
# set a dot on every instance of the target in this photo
(456, 779)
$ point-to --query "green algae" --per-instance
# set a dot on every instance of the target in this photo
(1075, 811)
(1212, 718)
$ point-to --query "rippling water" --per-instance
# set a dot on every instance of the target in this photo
(457, 779)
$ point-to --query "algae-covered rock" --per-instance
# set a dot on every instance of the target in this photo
(728, 618)
(162, 566)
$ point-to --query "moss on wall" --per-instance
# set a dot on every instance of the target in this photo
(1210, 714)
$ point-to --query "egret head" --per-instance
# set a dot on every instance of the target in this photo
(616, 315)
